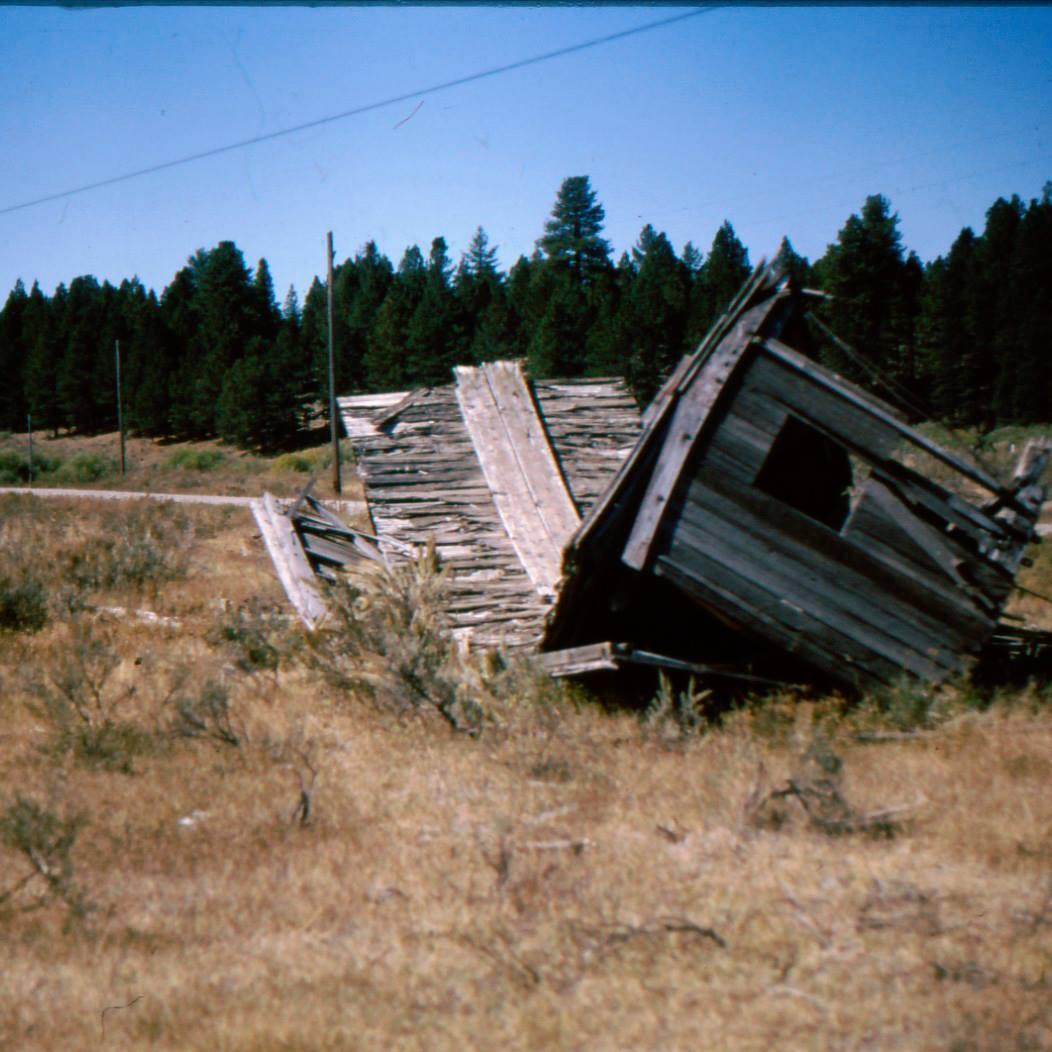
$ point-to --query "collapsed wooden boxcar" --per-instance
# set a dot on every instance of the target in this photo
(771, 510)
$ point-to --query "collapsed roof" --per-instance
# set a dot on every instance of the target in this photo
(768, 513)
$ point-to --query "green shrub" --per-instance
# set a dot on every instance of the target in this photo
(79, 698)
(253, 633)
(23, 602)
(317, 459)
(298, 462)
(45, 840)
(399, 614)
(85, 467)
(196, 459)
(208, 715)
(14, 466)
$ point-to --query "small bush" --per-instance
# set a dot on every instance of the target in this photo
(254, 634)
(391, 640)
(298, 462)
(313, 459)
(15, 471)
(83, 703)
(46, 841)
(23, 602)
(208, 715)
(85, 467)
(144, 545)
(196, 459)
(13, 467)
(909, 706)
(682, 712)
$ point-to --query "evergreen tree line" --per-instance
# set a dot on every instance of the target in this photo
(965, 338)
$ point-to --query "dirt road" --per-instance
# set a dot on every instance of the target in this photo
(346, 507)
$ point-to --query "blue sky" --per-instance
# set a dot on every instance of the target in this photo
(781, 119)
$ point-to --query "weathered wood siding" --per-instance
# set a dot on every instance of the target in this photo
(883, 595)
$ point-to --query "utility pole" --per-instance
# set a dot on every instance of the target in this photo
(29, 432)
(333, 428)
(120, 408)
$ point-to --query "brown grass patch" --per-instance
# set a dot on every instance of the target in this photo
(568, 879)
(210, 467)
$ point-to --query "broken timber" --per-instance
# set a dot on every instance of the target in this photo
(306, 542)
(775, 507)
(495, 471)
(770, 516)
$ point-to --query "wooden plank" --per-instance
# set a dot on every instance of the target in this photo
(519, 467)
(794, 589)
(290, 562)
(688, 420)
(573, 661)
(743, 601)
(845, 565)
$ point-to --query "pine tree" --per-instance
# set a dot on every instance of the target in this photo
(155, 348)
(372, 276)
(864, 273)
(558, 341)
(480, 258)
(717, 282)
(481, 301)
(44, 338)
(179, 315)
(435, 334)
(82, 323)
(13, 351)
(387, 359)
(692, 259)
(266, 316)
(227, 306)
(572, 234)
(657, 314)
(795, 265)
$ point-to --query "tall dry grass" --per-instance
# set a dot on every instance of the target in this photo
(293, 861)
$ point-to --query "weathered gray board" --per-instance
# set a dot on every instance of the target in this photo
(519, 467)
(293, 569)
(550, 450)
(906, 578)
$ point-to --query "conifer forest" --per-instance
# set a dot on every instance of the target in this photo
(964, 338)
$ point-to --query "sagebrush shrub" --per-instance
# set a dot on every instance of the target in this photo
(143, 545)
(85, 467)
(207, 714)
(45, 840)
(196, 459)
(84, 704)
(254, 634)
(23, 602)
(389, 637)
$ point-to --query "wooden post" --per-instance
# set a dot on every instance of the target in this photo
(120, 408)
(333, 426)
(29, 432)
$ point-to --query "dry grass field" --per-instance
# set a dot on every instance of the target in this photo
(219, 834)
(93, 462)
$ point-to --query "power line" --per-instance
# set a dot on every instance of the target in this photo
(358, 110)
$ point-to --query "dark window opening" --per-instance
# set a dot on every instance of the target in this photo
(810, 472)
